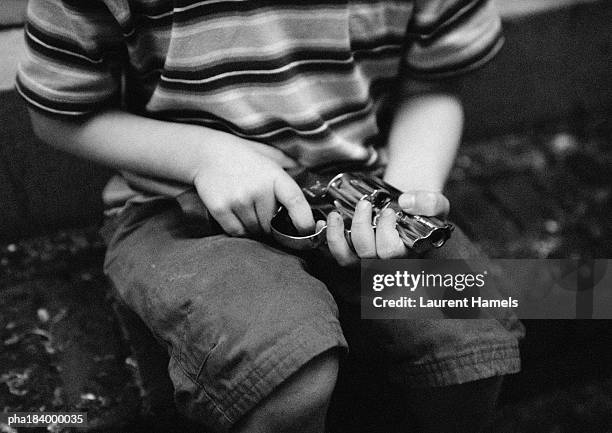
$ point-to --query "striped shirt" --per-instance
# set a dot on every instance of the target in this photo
(306, 77)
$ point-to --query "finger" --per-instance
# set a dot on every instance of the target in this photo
(428, 203)
(362, 233)
(247, 215)
(265, 207)
(336, 241)
(288, 193)
(388, 243)
(319, 225)
(228, 222)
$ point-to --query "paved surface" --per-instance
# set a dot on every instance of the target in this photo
(544, 193)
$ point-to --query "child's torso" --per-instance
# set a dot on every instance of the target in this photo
(306, 77)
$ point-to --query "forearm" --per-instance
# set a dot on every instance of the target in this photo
(147, 146)
(423, 141)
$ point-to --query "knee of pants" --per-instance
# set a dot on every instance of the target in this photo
(231, 366)
(246, 333)
(302, 398)
(259, 306)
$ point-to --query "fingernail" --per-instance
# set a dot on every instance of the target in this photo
(388, 213)
(364, 204)
(407, 201)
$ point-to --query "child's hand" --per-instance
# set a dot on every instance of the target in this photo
(384, 243)
(241, 187)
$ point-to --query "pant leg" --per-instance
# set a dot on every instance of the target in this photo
(424, 353)
(237, 316)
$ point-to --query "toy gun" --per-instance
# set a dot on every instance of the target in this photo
(340, 193)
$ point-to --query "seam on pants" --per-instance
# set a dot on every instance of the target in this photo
(199, 388)
(499, 359)
(289, 355)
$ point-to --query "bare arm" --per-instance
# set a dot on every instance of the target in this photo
(423, 141)
(238, 180)
(152, 147)
(422, 146)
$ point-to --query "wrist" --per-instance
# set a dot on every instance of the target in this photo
(407, 179)
(214, 148)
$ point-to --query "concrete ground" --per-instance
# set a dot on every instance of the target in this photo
(543, 193)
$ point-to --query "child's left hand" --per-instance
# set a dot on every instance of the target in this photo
(384, 242)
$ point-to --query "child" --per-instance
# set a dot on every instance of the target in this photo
(227, 96)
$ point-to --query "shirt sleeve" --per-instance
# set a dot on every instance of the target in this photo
(450, 37)
(74, 52)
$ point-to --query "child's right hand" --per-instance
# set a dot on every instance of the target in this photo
(242, 187)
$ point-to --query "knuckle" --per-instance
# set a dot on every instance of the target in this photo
(241, 200)
(429, 210)
(294, 200)
(390, 253)
(336, 240)
(428, 203)
(342, 262)
(218, 208)
(361, 225)
(386, 225)
(333, 237)
(385, 253)
(430, 199)
(362, 222)
(367, 253)
(346, 261)
(258, 194)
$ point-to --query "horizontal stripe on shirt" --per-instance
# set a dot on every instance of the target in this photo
(306, 77)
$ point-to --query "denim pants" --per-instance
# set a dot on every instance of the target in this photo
(238, 316)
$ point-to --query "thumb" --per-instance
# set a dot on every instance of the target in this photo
(427, 203)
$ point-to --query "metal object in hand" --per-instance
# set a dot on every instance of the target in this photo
(341, 194)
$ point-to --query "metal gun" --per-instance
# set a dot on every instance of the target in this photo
(340, 193)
